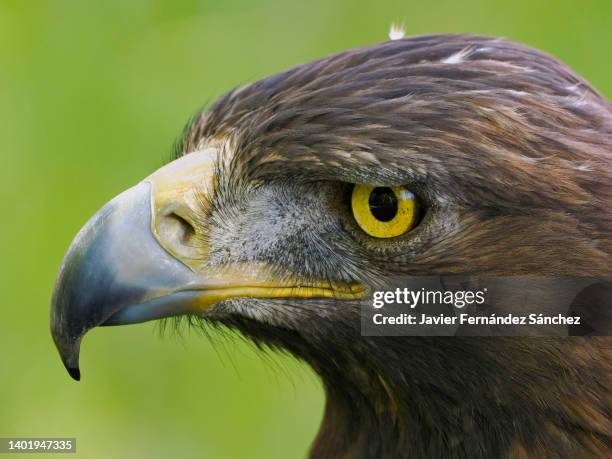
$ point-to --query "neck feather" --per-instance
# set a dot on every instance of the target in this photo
(467, 397)
(397, 397)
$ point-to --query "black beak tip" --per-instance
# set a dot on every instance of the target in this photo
(69, 351)
(74, 373)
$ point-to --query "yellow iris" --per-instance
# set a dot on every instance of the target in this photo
(384, 212)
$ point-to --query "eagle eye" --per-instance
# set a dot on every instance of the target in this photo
(384, 212)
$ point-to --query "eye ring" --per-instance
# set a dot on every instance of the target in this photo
(384, 212)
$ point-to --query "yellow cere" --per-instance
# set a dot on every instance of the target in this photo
(384, 212)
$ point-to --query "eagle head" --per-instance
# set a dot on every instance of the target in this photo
(289, 199)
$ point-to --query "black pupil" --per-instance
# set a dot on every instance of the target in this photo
(383, 204)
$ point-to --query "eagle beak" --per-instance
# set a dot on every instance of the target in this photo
(143, 257)
(114, 262)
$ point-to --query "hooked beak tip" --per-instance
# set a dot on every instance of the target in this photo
(69, 353)
(74, 373)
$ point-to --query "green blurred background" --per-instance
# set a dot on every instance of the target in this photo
(92, 95)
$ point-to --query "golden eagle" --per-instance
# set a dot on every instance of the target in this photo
(291, 197)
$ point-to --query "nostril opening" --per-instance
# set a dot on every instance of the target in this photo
(184, 230)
